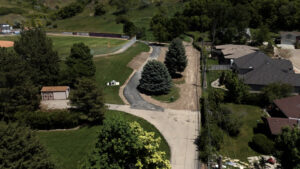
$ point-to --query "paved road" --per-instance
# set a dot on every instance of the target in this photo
(179, 127)
(132, 94)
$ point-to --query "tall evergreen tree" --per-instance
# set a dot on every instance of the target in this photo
(20, 148)
(80, 63)
(17, 93)
(88, 99)
(37, 50)
(176, 60)
(155, 78)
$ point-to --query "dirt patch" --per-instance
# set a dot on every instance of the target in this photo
(162, 54)
(6, 44)
(295, 59)
(138, 61)
(189, 89)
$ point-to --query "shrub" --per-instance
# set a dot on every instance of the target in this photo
(99, 10)
(156, 79)
(229, 122)
(121, 19)
(45, 120)
(69, 11)
(262, 144)
(6, 11)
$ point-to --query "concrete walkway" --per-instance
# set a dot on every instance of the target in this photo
(180, 129)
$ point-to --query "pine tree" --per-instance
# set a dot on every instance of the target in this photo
(88, 99)
(155, 79)
(17, 93)
(20, 148)
(80, 63)
(37, 50)
(176, 60)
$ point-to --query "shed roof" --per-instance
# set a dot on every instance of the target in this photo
(290, 106)
(55, 88)
(276, 124)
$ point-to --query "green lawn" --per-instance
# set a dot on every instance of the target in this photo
(69, 148)
(238, 147)
(63, 44)
(115, 68)
(172, 96)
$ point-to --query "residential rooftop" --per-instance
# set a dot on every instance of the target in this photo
(55, 88)
(236, 51)
(290, 106)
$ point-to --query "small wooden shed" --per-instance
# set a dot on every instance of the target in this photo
(55, 92)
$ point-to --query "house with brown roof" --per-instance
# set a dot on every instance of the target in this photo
(55, 92)
(288, 114)
(229, 52)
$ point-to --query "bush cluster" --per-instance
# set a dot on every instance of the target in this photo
(45, 120)
(6, 11)
(262, 144)
(69, 11)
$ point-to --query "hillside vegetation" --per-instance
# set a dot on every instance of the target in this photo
(49, 13)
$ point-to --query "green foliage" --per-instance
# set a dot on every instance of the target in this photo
(165, 29)
(262, 144)
(215, 98)
(42, 61)
(77, 144)
(46, 120)
(17, 93)
(209, 142)
(176, 60)
(222, 79)
(20, 148)
(159, 25)
(125, 145)
(123, 6)
(80, 63)
(288, 148)
(69, 11)
(88, 99)
(230, 122)
(261, 35)
(155, 79)
(99, 10)
(275, 91)
(6, 11)
(237, 90)
(129, 28)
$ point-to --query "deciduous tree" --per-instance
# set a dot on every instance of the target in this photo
(288, 148)
(237, 90)
(126, 145)
(276, 91)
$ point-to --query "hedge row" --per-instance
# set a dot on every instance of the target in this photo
(57, 119)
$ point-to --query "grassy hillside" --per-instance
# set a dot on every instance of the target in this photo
(68, 149)
(63, 44)
(86, 21)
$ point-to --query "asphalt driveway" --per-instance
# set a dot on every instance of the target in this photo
(131, 93)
